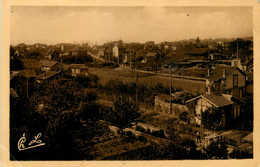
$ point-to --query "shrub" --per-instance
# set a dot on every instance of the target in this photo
(142, 139)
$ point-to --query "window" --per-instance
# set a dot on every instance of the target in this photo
(235, 80)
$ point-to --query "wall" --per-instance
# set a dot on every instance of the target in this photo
(241, 79)
(115, 51)
(163, 106)
(203, 105)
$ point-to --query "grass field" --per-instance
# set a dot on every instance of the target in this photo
(129, 76)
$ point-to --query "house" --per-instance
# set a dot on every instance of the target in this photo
(23, 82)
(230, 78)
(207, 101)
(118, 51)
(47, 65)
(162, 103)
(48, 76)
(78, 70)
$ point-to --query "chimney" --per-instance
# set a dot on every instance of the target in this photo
(224, 73)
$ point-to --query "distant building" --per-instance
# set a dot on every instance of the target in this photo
(47, 65)
(118, 52)
(198, 54)
(78, 70)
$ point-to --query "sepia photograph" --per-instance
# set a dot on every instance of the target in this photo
(131, 83)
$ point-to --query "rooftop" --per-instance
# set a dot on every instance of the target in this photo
(217, 73)
(47, 63)
(48, 74)
(198, 51)
(217, 101)
(81, 66)
(25, 73)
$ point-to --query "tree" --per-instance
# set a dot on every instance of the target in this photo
(197, 40)
(124, 112)
(63, 107)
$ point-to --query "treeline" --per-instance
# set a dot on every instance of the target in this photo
(80, 58)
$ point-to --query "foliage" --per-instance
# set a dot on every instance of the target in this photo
(16, 64)
(81, 58)
(247, 116)
(211, 118)
(238, 154)
(217, 150)
(124, 111)
(90, 81)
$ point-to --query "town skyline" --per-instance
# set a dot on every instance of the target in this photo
(131, 24)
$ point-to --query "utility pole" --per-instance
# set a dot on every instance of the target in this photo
(136, 89)
(171, 92)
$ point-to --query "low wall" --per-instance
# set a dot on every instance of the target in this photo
(163, 106)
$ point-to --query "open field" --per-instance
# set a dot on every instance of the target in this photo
(129, 76)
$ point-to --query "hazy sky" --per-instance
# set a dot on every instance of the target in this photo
(131, 24)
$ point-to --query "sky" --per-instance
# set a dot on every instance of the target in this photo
(50, 25)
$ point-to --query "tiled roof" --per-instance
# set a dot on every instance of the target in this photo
(218, 101)
(48, 74)
(28, 73)
(81, 66)
(47, 63)
(25, 73)
(217, 73)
